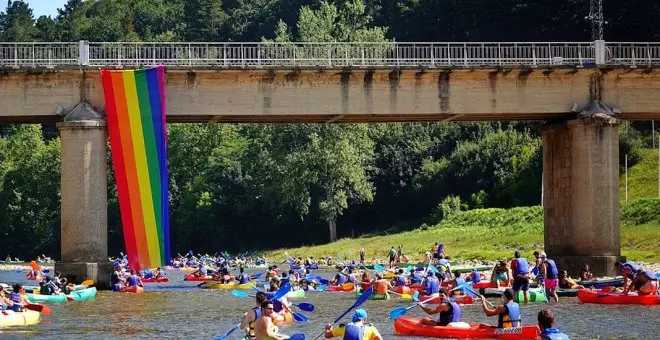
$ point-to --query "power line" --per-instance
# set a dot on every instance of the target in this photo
(597, 19)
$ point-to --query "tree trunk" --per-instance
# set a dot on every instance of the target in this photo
(332, 219)
(332, 226)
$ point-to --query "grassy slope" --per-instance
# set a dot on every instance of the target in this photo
(496, 233)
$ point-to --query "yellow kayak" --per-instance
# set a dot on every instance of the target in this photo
(388, 275)
(216, 285)
(19, 319)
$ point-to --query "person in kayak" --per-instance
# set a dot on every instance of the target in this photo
(357, 329)
(159, 273)
(148, 274)
(351, 277)
(416, 277)
(508, 314)
(585, 274)
(49, 287)
(281, 306)
(382, 286)
(546, 323)
(264, 329)
(252, 316)
(566, 282)
(449, 311)
(17, 299)
(242, 277)
(133, 280)
(392, 257)
(551, 276)
(340, 278)
(520, 269)
(401, 279)
(432, 284)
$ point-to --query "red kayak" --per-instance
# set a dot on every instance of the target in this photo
(133, 289)
(600, 297)
(346, 287)
(402, 290)
(417, 286)
(196, 278)
(460, 299)
(481, 284)
(410, 326)
(160, 279)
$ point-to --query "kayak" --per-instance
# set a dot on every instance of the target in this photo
(82, 295)
(152, 280)
(460, 299)
(566, 292)
(411, 326)
(593, 296)
(133, 289)
(296, 294)
(288, 318)
(535, 295)
(388, 275)
(38, 298)
(19, 319)
(194, 278)
(346, 287)
(400, 289)
(615, 282)
(217, 285)
(379, 297)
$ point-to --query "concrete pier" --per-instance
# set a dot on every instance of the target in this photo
(581, 194)
(84, 217)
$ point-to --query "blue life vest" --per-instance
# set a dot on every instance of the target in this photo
(476, 276)
(401, 280)
(132, 281)
(452, 315)
(630, 265)
(460, 281)
(353, 332)
(416, 278)
(512, 318)
(16, 299)
(432, 285)
(553, 273)
(244, 279)
(341, 279)
(553, 334)
(351, 278)
(277, 305)
(522, 267)
(148, 274)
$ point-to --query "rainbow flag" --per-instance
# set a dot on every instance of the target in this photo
(135, 108)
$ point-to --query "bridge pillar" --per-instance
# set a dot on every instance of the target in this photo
(581, 193)
(84, 201)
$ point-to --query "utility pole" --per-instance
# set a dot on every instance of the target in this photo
(596, 18)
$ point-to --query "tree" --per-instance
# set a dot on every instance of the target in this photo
(203, 20)
(17, 23)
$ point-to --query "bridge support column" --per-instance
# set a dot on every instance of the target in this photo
(84, 217)
(581, 194)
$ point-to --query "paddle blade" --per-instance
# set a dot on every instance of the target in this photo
(324, 281)
(239, 293)
(307, 307)
(321, 288)
(254, 288)
(45, 310)
(433, 268)
(298, 336)
(87, 283)
(379, 267)
(416, 296)
(300, 317)
(258, 276)
(286, 288)
(398, 312)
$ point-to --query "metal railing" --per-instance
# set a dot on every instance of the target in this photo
(328, 55)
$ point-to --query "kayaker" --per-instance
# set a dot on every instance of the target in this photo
(148, 274)
(366, 277)
(449, 311)
(459, 281)
(382, 286)
(351, 277)
(546, 323)
(500, 276)
(392, 254)
(585, 274)
(242, 277)
(133, 280)
(645, 283)
(339, 279)
(566, 282)
(159, 273)
(508, 314)
(253, 315)
(551, 276)
(49, 287)
(432, 284)
(628, 271)
(357, 329)
(520, 269)
(4, 301)
(281, 306)
(401, 280)
(264, 329)
(18, 299)
(416, 277)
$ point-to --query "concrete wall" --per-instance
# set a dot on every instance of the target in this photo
(357, 95)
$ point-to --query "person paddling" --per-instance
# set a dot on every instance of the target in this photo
(449, 311)
(520, 269)
(401, 280)
(242, 277)
(357, 329)
(432, 284)
(264, 329)
(546, 323)
(133, 280)
(508, 314)
(252, 316)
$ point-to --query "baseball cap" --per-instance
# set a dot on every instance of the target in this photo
(360, 314)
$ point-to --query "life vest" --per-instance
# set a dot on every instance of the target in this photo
(401, 280)
(510, 319)
(476, 276)
(432, 285)
(522, 267)
(381, 287)
(351, 278)
(416, 278)
(341, 279)
(452, 315)
(16, 299)
(251, 324)
(553, 334)
(354, 332)
(132, 281)
(244, 279)
(460, 281)
(552, 268)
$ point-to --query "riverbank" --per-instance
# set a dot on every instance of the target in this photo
(491, 234)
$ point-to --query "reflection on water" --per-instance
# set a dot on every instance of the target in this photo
(180, 310)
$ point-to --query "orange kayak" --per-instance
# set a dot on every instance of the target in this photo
(288, 318)
(594, 296)
(346, 287)
(133, 289)
(411, 326)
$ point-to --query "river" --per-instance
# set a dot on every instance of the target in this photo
(179, 309)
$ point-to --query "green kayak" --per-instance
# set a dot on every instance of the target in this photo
(296, 294)
(84, 294)
(535, 295)
(374, 296)
(38, 298)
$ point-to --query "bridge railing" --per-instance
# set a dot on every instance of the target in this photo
(329, 55)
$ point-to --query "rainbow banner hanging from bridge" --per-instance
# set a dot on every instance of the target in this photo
(135, 108)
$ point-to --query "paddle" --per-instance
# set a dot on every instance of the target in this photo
(469, 289)
(307, 307)
(87, 283)
(285, 289)
(298, 336)
(300, 317)
(223, 337)
(362, 299)
(401, 311)
(378, 267)
(43, 309)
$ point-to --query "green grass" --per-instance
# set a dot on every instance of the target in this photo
(642, 178)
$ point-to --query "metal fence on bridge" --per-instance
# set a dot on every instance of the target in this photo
(329, 55)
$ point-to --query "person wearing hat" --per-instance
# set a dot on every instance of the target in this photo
(358, 329)
(508, 314)
(115, 278)
(552, 276)
(520, 270)
(546, 323)
(628, 271)
(449, 311)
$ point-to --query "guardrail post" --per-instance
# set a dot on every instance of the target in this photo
(83, 52)
(432, 56)
(465, 55)
(15, 56)
(600, 52)
(633, 57)
(534, 64)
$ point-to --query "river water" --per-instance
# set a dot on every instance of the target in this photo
(178, 310)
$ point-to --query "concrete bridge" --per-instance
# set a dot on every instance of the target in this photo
(582, 90)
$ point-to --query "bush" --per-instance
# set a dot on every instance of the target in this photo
(641, 211)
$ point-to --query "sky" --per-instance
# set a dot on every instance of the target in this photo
(45, 7)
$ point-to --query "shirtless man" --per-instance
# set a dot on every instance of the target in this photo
(264, 329)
